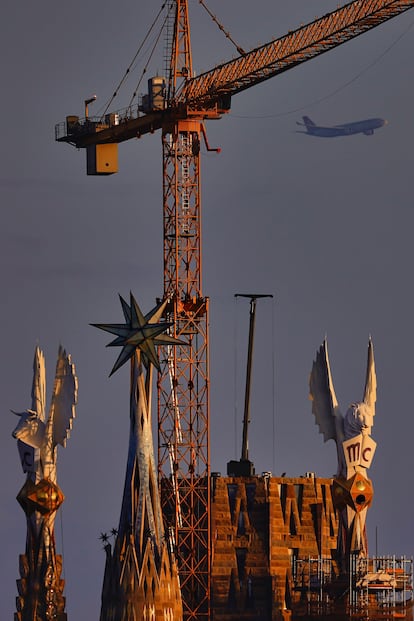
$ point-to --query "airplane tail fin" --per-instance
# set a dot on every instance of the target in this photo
(308, 122)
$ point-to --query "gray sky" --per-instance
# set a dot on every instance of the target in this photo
(323, 225)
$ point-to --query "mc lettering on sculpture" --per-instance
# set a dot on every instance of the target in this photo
(352, 489)
(353, 451)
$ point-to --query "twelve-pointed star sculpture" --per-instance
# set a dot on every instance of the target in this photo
(139, 331)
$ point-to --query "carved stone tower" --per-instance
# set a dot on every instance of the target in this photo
(40, 586)
(141, 579)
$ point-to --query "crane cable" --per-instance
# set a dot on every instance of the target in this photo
(134, 94)
(337, 90)
(134, 59)
(221, 27)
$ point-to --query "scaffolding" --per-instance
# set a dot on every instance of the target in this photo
(311, 580)
(380, 584)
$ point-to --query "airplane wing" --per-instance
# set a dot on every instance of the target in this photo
(64, 399)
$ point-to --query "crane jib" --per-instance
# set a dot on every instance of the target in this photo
(209, 94)
(305, 43)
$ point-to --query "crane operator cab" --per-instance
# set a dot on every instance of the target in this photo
(155, 98)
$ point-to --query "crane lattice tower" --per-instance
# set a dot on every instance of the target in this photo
(183, 384)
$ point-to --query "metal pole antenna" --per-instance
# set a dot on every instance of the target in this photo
(246, 417)
(245, 467)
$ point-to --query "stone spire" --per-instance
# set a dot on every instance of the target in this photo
(141, 580)
(40, 587)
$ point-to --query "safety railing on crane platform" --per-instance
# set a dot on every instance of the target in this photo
(76, 126)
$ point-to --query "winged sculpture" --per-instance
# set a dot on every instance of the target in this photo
(38, 435)
(359, 417)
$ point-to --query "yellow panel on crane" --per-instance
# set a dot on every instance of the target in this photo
(102, 159)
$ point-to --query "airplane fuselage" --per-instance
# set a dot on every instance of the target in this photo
(366, 127)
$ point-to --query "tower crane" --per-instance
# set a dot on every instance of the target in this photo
(178, 105)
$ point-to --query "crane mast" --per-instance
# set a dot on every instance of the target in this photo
(178, 106)
(183, 384)
(180, 58)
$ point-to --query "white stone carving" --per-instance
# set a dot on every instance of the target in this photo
(355, 448)
(38, 437)
(359, 452)
(359, 417)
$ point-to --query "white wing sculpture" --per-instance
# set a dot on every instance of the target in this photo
(370, 395)
(325, 406)
(39, 385)
(33, 431)
(359, 416)
(65, 394)
(352, 490)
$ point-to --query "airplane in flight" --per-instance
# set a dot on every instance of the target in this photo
(366, 127)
